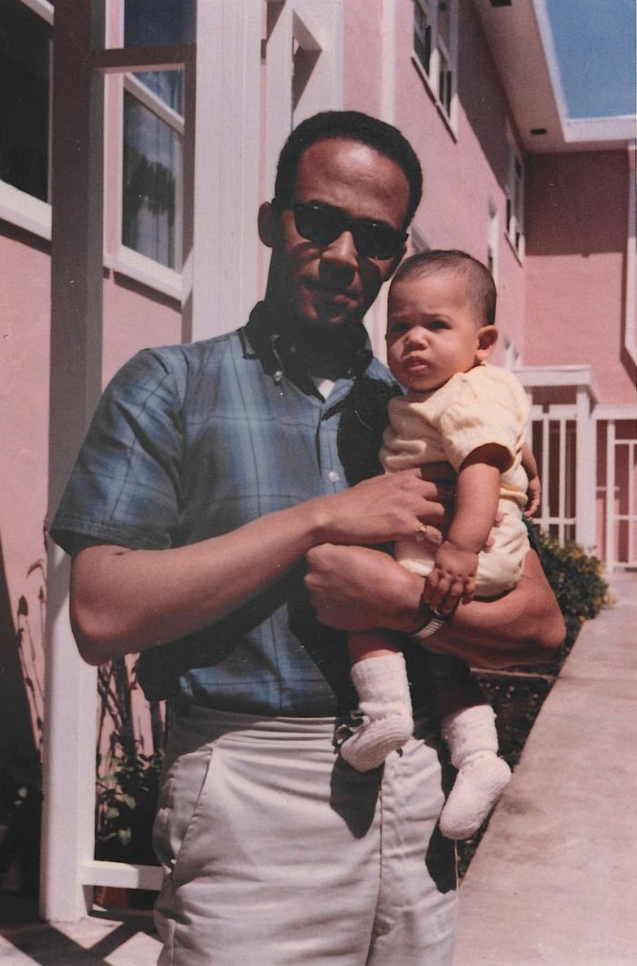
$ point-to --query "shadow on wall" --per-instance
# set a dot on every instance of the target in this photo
(16, 728)
(21, 708)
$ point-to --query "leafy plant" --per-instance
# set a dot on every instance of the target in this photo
(127, 777)
(577, 581)
(126, 801)
(21, 815)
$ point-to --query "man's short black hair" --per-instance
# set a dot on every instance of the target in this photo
(353, 126)
(478, 279)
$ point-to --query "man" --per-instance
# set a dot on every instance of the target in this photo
(211, 472)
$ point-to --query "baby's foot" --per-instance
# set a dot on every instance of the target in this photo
(374, 740)
(480, 781)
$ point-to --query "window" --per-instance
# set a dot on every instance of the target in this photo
(515, 201)
(435, 49)
(152, 167)
(152, 173)
(25, 63)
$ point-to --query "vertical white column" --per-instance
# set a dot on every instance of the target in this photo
(585, 472)
(388, 64)
(610, 496)
(222, 149)
(76, 343)
(376, 318)
(630, 339)
(278, 86)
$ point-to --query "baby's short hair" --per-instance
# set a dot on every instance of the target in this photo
(478, 279)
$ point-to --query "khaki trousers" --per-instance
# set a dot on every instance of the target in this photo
(277, 853)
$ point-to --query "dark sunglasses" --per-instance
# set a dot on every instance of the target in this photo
(323, 225)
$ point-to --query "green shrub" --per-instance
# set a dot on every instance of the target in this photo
(576, 579)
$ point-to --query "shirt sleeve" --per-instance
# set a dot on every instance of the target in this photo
(125, 486)
(486, 406)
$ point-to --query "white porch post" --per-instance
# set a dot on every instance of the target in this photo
(586, 470)
(610, 496)
(222, 158)
(76, 344)
(316, 29)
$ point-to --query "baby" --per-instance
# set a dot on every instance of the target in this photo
(458, 409)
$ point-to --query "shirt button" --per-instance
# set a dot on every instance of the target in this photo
(333, 476)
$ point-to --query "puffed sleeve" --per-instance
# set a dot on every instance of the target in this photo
(125, 486)
(485, 406)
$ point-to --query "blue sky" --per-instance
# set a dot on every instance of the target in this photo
(595, 44)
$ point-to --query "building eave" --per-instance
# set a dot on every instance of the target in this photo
(520, 39)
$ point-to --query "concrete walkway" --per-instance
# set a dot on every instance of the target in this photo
(554, 881)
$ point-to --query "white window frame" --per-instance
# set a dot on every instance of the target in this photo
(440, 54)
(514, 193)
(18, 207)
(126, 260)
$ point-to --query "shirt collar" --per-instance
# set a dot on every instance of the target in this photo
(282, 354)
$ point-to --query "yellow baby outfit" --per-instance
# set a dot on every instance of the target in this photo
(485, 405)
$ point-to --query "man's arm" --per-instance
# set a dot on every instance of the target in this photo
(357, 589)
(125, 600)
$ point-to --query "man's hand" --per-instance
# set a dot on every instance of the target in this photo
(385, 508)
(452, 579)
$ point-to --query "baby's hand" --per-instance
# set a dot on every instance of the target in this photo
(453, 578)
(533, 493)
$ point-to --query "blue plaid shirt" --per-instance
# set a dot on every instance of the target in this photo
(192, 441)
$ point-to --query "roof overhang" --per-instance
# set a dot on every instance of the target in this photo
(520, 38)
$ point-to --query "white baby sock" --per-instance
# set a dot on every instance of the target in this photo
(473, 743)
(385, 702)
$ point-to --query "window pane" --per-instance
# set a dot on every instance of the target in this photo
(24, 99)
(152, 174)
(167, 85)
(444, 83)
(157, 22)
(149, 23)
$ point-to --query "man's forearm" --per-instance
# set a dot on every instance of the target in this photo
(125, 600)
(355, 588)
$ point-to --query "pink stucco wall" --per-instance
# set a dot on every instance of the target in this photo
(132, 320)
(135, 317)
(465, 169)
(576, 247)
(24, 400)
(362, 63)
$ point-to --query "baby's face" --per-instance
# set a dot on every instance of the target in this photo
(433, 330)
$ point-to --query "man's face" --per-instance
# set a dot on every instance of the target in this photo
(333, 283)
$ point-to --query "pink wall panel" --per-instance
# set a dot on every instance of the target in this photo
(133, 321)
(362, 75)
(576, 243)
(24, 401)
